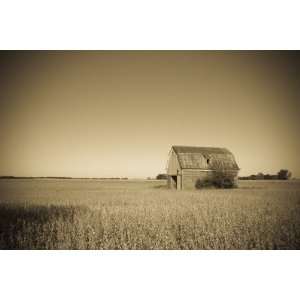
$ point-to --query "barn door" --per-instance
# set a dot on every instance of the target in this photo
(174, 182)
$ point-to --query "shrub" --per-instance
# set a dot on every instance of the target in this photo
(224, 179)
(220, 179)
(204, 183)
(284, 174)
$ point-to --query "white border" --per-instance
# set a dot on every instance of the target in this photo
(149, 275)
(145, 24)
(149, 25)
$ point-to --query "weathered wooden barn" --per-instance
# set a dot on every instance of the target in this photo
(193, 167)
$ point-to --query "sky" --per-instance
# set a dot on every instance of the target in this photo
(117, 113)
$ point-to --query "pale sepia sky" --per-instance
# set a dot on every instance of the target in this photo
(98, 114)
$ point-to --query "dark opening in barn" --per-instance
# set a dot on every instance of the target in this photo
(173, 182)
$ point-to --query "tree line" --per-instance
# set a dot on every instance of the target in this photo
(283, 174)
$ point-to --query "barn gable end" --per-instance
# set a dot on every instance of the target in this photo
(174, 171)
(173, 163)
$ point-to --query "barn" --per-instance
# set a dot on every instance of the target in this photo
(194, 167)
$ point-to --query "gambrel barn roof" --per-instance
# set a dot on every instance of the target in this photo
(205, 158)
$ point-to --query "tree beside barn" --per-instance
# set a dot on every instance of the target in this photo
(284, 174)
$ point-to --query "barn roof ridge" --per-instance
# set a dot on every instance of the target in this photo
(198, 149)
(205, 158)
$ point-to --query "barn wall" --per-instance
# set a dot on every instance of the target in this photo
(189, 179)
(173, 164)
(179, 182)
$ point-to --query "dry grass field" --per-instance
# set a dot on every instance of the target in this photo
(94, 214)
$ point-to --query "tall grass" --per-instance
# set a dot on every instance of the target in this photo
(79, 214)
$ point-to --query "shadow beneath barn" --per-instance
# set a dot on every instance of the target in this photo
(161, 186)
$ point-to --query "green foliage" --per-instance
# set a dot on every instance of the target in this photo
(219, 179)
(161, 176)
(281, 175)
(204, 183)
(224, 179)
(284, 174)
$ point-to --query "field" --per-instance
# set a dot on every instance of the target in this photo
(95, 214)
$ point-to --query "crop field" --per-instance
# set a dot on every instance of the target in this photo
(95, 214)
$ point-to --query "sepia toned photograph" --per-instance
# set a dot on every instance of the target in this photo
(149, 150)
